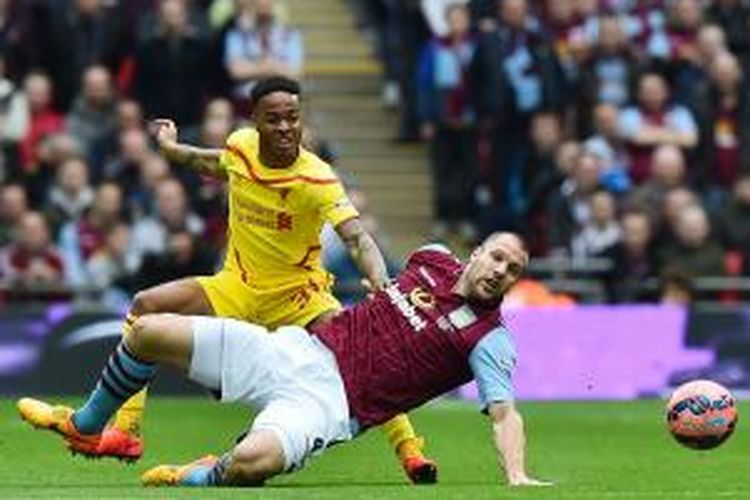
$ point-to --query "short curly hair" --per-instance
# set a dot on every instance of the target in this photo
(274, 84)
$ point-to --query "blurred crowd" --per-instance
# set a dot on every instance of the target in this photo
(86, 202)
(613, 129)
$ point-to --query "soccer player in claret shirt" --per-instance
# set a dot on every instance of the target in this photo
(280, 195)
(432, 329)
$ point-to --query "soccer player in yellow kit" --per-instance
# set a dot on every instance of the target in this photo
(280, 195)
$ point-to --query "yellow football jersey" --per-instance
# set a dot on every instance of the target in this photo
(275, 215)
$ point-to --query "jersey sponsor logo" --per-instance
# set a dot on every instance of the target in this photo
(422, 298)
(254, 214)
(405, 307)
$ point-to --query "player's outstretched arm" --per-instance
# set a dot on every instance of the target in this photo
(364, 251)
(204, 160)
(510, 443)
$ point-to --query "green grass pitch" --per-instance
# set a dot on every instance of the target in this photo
(591, 451)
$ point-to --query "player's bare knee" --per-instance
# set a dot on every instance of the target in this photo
(141, 336)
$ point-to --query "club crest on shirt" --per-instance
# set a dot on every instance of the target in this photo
(405, 307)
(462, 317)
(422, 298)
(343, 203)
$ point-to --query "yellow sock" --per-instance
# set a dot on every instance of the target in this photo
(130, 414)
(402, 437)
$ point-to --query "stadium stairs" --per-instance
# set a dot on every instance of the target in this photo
(344, 107)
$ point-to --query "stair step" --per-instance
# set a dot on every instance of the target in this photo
(418, 227)
(329, 66)
(315, 22)
(326, 37)
(378, 146)
(396, 180)
(319, 116)
(331, 7)
(353, 51)
(344, 85)
(346, 130)
(393, 164)
(346, 103)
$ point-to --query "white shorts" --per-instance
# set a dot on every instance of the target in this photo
(289, 375)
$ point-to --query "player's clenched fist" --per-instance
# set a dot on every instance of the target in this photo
(164, 131)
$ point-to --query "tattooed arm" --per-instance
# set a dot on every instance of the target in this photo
(203, 160)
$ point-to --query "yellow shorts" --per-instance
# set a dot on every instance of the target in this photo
(297, 302)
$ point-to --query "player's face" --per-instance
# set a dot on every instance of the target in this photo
(277, 118)
(494, 267)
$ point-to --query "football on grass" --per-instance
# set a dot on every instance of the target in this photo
(701, 414)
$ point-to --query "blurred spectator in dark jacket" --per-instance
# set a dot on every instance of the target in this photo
(484, 13)
(448, 121)
(71, 195)
(567, 35)
(545, 185)
(668, 171)
(546, 137)
(109, 269)
(653, 122)
(412, 32)
(609, 75)
(17, 37)
(569, 206)
(647, 19)
(259, 45)
(679, 42)
(52, 151)
(124, 169)
(675, 201)
(76, 34)
(610, 148)
(602, 231)
(169, 63)
(695, 251)
(185, 254)
(128, 116)
(632, 259)
(141, 201)
(514, 75)
(81, 239)
(733, 222)
(725, 124)
(13, 204)
(94, 110)
(734, 17)
(32, 259)
(692, 78)
(151, 235)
